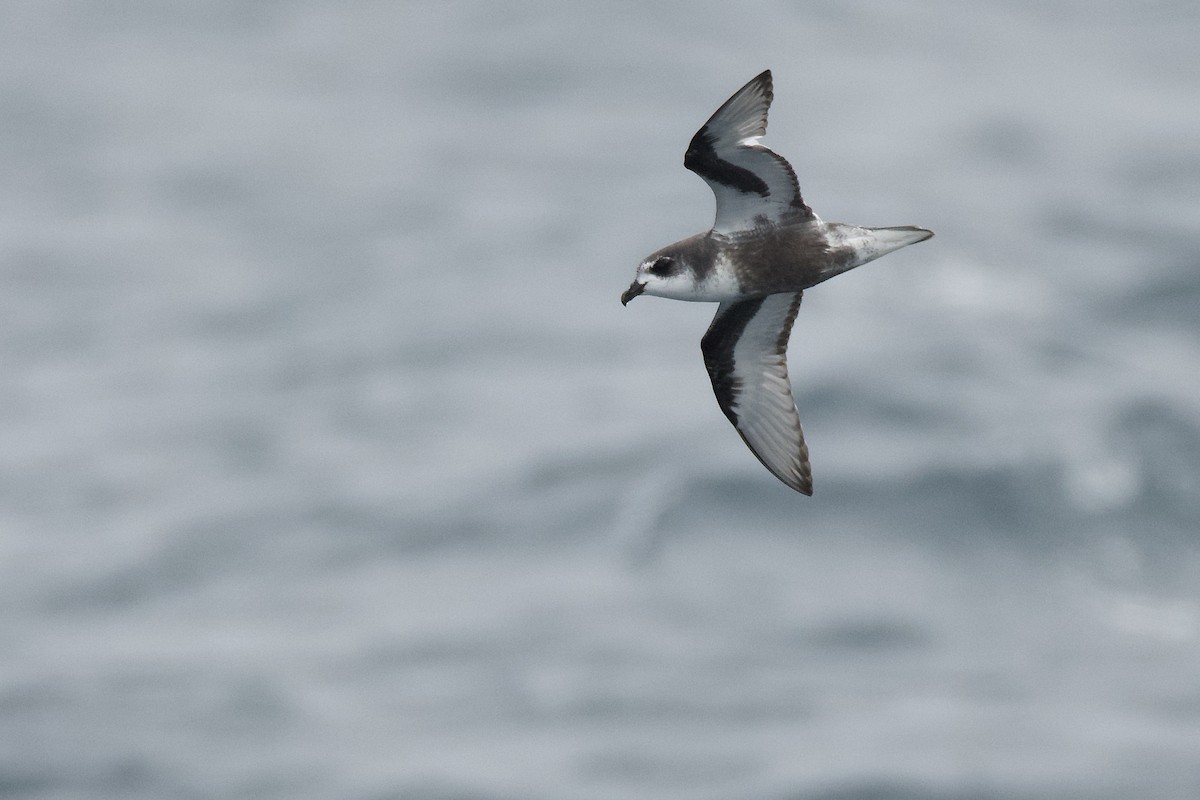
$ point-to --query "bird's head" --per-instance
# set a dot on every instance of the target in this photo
(666, 273)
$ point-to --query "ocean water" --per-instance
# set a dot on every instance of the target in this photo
(332, 467)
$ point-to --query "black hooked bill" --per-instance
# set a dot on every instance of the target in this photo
(633, 291)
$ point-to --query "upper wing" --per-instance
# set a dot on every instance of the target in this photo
(745, 350)
(749, 180)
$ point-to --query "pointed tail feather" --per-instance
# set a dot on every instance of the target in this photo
(890, 239)
(860, 245)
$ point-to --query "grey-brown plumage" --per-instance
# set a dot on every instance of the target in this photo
(765, 248)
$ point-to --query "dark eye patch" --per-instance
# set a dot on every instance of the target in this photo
(662, 266)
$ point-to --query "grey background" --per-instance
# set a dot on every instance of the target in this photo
(331, 466)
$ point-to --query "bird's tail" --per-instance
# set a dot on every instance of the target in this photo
(885, 240)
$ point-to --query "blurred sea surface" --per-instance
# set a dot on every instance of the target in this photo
(331, 465)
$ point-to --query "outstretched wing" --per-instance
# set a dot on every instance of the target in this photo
(749, 180)
(745, 350)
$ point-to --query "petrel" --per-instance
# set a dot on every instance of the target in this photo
(765, 248)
